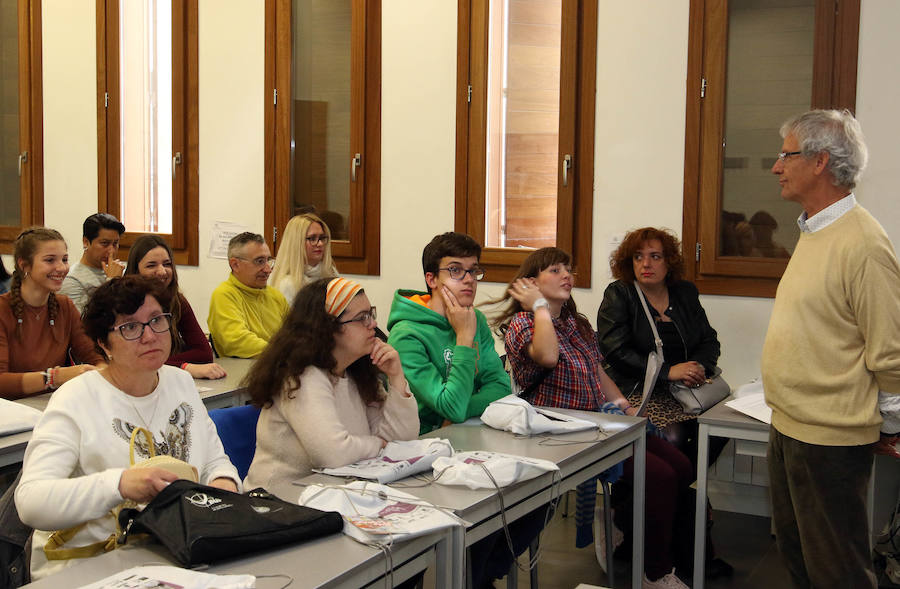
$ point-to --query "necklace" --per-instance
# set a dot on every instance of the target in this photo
(113, 381)
(144, 422)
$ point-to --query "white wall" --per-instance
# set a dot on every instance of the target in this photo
(639, 147)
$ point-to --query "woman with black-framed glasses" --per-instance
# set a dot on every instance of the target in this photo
(77, 466)
(303, 256)
(322, 388)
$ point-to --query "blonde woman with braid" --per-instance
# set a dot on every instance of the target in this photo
(304, 255)
(37, 326)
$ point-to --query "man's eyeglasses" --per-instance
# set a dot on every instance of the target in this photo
(316, 239)
(260, 261)
(786, 154)
(459, 273)
(135, 329)
(367, 318)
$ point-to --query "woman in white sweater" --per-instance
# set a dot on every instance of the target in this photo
(77, 467)
(321, 386)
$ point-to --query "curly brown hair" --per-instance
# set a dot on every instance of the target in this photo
(306, 338)
(534, 264)
(621, 261)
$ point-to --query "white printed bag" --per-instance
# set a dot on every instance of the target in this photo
(516, 415)
(469, 469)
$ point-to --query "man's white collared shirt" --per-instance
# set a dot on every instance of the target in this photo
(826, 216)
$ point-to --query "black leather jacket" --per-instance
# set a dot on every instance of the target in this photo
(625, 337)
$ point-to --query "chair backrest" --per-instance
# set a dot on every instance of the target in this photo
(237, 430)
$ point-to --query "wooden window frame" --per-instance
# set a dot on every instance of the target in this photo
(834, 86)
(577, 136)
(184, 238)
(31, 123)
(361, 253)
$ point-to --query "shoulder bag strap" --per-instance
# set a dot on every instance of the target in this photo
(656, 340)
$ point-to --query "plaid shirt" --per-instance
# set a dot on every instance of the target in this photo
(574, 383)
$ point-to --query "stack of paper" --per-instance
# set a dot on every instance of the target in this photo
(753, 405)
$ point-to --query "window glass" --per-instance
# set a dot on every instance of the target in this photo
(523, 123)
(148, 164)
(321, 159)
(10, 156)
(769, 78)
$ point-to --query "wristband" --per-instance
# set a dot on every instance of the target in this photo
(541, 302)
(184, 365)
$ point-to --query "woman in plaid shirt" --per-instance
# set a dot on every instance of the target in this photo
(550, 343)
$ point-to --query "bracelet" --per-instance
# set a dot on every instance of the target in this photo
(184, 365)
(50, 383)
(541, 302)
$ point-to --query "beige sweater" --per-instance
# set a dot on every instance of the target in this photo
(834, 336)
(325, 424)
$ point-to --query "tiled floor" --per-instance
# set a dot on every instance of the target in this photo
(742, 540)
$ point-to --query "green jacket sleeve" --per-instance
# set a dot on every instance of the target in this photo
(449, 397)
(228, 327)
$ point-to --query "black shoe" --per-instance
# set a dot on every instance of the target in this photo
(717, 568)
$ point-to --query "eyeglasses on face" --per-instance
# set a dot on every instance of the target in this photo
(459, 273)
(317, 239)
(133, 330)
(786, 154)
(367, 318)
(260, 261)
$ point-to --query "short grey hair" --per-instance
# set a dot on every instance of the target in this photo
(836, 132)
(240, 240)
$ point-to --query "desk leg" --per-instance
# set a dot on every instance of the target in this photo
(640, 473)
(700, 521)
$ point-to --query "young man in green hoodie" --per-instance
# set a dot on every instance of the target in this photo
(445, 344)
(447, 352)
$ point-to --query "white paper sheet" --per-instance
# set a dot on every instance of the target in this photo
(753, 405)
(170, 577)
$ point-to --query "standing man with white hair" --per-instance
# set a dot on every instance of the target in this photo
(830, 348)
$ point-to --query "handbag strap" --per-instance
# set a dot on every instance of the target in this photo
(151, 446)
(656, 339)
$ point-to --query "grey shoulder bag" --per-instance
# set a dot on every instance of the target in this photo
(693, 400)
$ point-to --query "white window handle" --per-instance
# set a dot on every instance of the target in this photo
(355, 162)
(176, 161)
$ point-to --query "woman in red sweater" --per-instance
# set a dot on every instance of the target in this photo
(151, 257)
(41, 337)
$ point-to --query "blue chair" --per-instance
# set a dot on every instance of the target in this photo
(237, 430)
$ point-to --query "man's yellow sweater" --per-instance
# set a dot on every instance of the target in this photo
(834, 336)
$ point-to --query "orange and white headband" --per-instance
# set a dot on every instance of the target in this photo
(338, 295)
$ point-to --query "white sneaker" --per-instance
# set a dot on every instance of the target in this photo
(669, 581)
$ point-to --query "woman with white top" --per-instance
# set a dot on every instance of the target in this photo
(77, 467)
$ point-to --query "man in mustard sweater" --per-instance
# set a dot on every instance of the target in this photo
(244, 311)
(832, 344)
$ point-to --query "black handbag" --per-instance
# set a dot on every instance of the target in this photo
(201, 524)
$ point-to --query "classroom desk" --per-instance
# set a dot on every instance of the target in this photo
(333, 562)
(224, 392)
(578, 462)
(723, 421)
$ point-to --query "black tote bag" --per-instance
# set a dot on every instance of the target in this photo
(201, 524)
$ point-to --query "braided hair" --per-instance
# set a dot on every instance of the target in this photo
(24, 248)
